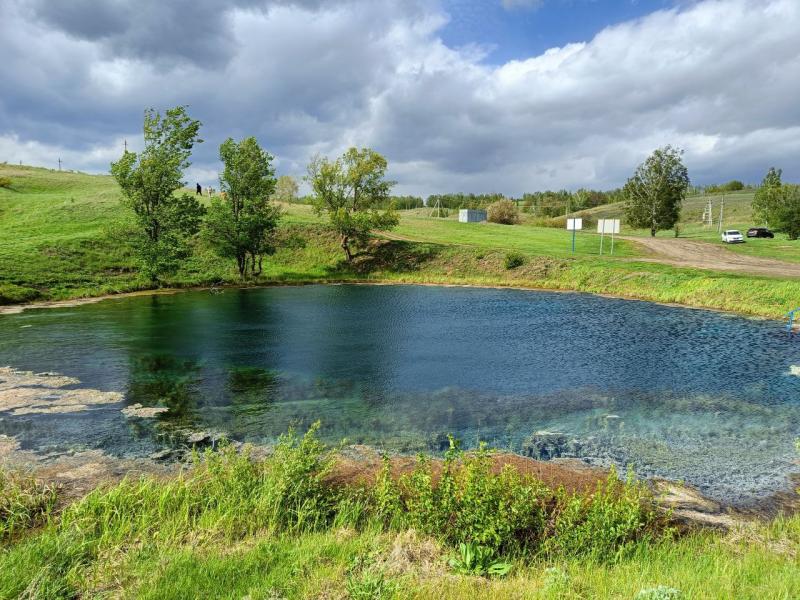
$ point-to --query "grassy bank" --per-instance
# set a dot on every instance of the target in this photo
(737, 215)
(232, 526)
(65, 236)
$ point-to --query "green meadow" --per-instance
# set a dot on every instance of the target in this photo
(66, 235)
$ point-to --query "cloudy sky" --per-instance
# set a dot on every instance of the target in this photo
(459, 95)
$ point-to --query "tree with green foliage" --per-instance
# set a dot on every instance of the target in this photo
(503, 211)
(165, 221)
(347, 190)
(241, 221)
(778, 204)
(286, 189)
(655, 193)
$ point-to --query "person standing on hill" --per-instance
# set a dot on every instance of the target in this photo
(199, 190)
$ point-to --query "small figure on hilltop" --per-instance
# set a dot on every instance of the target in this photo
(199, 190)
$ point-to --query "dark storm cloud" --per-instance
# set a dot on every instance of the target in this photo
(309, 77)
(196, 31)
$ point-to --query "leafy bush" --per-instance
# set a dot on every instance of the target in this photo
(468, 504)
(24, 503)
(507, 511)
(778, 204)
(5, 182)
(514, 260)
(503, 211)
(12, 294)
(732, 186)
(478, 560)
(602, 525)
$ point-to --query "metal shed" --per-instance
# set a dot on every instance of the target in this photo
(467, 215)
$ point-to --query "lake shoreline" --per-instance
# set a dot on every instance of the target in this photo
(12, 309)
(78, 473)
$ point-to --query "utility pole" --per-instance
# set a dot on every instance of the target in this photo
(59, 164)
(708, 214)
(125, 143)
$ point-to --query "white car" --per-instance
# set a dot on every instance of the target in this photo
(732, 236)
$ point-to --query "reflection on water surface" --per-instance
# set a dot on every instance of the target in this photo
(705, 397)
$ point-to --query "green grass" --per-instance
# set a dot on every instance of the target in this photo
(232, 526)
(544, 241)
(64, 236)
(737, 215)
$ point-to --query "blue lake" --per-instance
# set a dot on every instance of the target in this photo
(705, 397)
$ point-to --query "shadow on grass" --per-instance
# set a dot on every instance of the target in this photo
(388, 255)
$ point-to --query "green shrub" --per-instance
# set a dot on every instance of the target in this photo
(478, 560)
(5, 182)
(469, 504)
(507, 512)
(514, 260)
(15, 294)
(24, 503)
(504, 212)
(602, 525)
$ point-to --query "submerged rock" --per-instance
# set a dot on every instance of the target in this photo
(688, 507)
(25, 392)
(164, 455)
(143, 412)
(546, 445)
(200, 439)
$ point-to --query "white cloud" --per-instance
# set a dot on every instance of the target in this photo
(719, 78)
(13, 150)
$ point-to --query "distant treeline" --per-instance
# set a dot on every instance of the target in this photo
(396, 202)
(733, 185)
(541, 204)
(463, 200)
(546, 204)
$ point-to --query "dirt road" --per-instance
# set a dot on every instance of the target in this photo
(705, 255)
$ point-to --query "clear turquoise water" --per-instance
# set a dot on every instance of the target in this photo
(685, 394)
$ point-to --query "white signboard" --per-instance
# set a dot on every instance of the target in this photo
(574, 224)
(608, 226)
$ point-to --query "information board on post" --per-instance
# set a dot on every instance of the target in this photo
(574, 225)
(605, 226)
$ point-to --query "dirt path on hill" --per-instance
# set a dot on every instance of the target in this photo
(704, 255)
(690, 253)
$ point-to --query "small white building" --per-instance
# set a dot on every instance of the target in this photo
(468, 215)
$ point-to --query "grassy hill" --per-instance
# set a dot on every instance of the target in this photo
(65, 235)
(737, 212)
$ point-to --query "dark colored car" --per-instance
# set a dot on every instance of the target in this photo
(762, 232)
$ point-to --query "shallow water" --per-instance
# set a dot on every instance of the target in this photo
(686, 394)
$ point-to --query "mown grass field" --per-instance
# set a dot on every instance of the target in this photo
(63, 235)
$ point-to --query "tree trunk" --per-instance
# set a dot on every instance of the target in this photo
(346, 248)
(241, 263)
